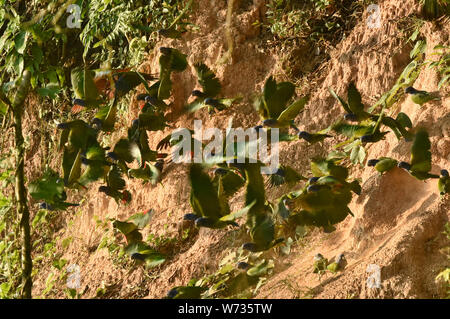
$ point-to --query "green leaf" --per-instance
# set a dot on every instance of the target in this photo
(142, 219)
(18, 64)
(20, 42)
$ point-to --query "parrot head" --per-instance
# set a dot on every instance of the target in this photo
(172, 293)
(372, 162)
(243, 265)
(103, 189)
(203, 222)
(304, 135)
(165, 50)
(404, 165)
(270, 122)
(220, 171)
(151, 100)
(366, 138)
(313, 188)
(258, 128)
(313, 180)
(410, 90)
(191, 217)
(280, 172)
(250, 247)
(197, 93)
(112, 156)
(350, 117)
(444, 173)
(96, 123)
(62, 126)
(84, 161)
(318, 257)
(137, 256)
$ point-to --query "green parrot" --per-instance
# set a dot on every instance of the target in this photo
(125, 151)
(230, 180)
(313, 138)
(171, 60)
(399, 126)
(376, 135)
(324, 204)
(354, 106)
(152, 122)
(209, 205)
(335, 183)
(148, 173)
(352, 131)
(142, 253)
(383, 164)
(420, 165)
(420, 97)
(185, 292)
(71, 165)
(50, 189)
(320, 264)
(262, 234)
(328, 167)
(78, 134)
(97, 166)
(140, 137)
(444, 183)
(210, 90)
(285, 175)
(272, 105)
(85, 90)
(338, 264)
(115, 186)
(105, 118)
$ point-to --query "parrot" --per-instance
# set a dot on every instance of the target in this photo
(210, 90)
(338, 264)
(444, 183)
(320, 264)
(375, 135)
(85, 90)
(125, 151)
(210, 208)
(50, 189)
(313, 138)
(78, 134)
(420, 165)
(262, 234)
(354, 106)
(56, 206)
(97, 166)
(171, 60)
(420, 97)
(149, 173)
(272, 108)
(152, 122)
(185, 292)
(383, 164)
(115, 185)
(285, 174)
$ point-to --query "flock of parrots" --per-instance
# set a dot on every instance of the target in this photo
(322, 201)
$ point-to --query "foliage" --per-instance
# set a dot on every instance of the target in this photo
(443, 64)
